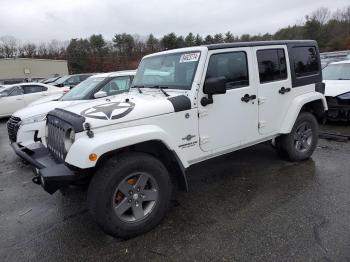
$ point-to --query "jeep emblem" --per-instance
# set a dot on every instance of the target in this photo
(109, 111)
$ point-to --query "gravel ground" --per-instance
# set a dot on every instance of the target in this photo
(245, 206)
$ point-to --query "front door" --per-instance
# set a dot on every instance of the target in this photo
(274, 87)
(233, 117)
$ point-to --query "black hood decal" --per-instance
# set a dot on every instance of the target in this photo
(109, 111)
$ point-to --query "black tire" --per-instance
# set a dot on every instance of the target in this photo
(114, 173)
(294, 150)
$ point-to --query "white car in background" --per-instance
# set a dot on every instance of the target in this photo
(336, 77)
(18, 96)
(27, 126)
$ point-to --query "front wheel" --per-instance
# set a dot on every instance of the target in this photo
(130, 194)
(301, 142)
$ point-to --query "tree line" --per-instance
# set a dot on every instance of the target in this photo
(124, 51)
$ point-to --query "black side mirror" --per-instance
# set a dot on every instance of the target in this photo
(213, 86)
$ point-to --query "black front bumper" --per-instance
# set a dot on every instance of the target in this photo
(338, 109)
(50, 174)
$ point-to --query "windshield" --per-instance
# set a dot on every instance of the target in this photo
(175, 71)
(82, 90)
(61, 79)
(337, 72)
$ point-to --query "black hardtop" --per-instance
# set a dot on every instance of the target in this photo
(262, 43)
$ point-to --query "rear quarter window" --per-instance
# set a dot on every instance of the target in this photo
(305, 61)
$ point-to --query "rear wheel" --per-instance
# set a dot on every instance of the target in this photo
(301, 142)
(130, 194)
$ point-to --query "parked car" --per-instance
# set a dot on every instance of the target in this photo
(50, 80)
(27, 125)
(18, 96)
(337, 90)
(70, 80)
(187, 106)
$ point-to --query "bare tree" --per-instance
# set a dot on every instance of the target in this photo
(9, 46)
(42, 50)
(321, 15)
(29, 50)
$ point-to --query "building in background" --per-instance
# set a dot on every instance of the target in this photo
(14, 70)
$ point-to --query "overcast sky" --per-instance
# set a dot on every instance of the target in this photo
(43, 20)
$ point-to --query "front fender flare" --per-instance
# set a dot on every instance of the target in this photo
(109, 141)
(296, 106)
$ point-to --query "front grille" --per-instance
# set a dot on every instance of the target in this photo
(56, 130)
(12, 128)
(59, 122)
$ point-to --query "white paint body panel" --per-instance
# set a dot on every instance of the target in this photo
(224, 126)
(336, 87)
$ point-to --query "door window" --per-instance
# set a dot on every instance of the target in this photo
(272, 65)
(117, 85)
(233, 66)
(29, 89)
(16, 91)
(73, 80)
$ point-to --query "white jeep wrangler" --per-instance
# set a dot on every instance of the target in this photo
(188, 105)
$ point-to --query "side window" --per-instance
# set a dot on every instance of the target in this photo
(233, 66)
(117, 85)
(73, 80)
(29, 89)
(272, 65)
(305, 61)
(16, 91)
(83, 77)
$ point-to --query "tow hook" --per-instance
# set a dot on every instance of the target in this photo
(36, 180)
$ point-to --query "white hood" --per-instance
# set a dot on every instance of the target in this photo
(131, 106)
(336, 87)
(46, 99)
(44, 108)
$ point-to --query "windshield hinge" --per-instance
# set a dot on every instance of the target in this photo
(202, 113)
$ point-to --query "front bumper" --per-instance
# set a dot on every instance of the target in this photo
(48, 173)
(338, 109)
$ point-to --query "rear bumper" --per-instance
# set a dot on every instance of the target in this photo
(48, 173)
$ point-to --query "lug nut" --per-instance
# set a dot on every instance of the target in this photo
(130, 192)
(138, 189)
(130, 200)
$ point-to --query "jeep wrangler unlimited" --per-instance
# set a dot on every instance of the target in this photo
(187, 105)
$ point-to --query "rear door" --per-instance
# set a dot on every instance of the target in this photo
(33, 92)
(274, 86)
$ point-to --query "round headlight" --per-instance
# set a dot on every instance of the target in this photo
(69, 139)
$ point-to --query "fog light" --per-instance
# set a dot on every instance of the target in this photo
(93, 157)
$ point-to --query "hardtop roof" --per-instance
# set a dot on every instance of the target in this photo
(261, 43)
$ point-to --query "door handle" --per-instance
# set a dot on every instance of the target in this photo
(284, 90)
(246, 98)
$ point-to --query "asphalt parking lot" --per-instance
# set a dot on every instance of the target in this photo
(246, 206)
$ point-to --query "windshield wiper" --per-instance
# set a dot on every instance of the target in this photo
(138, 88)
(343, 78)
(161, 88)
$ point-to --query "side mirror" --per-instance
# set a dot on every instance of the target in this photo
(213, 86)
(100, 94)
